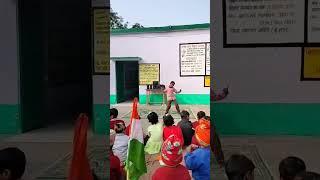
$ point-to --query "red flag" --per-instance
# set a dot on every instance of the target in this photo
(134, 114)
(80, 167)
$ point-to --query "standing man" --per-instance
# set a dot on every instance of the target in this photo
(171, 97)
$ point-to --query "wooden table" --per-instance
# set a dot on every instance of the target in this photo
(149, 92)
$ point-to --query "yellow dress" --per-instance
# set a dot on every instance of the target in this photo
(154, 143)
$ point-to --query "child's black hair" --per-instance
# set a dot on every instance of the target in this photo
(307, 176)
(201, 114)
(207, 118)
(184, 114)
(172, 82)
(119, 128)
(153, 118)
(290, 167)
(14, 160)
(168, 120)
(95, 177)
(114, 112)
(238, 166)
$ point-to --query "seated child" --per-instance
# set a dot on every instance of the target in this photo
(155, 130)
(114, 118)
(239, 167)
(12, 164)
(186, 127)
(115, 164)
(215, 143)
(194, 142)
(198, 161)
(170, 128)
(200, 115)
(290, 167)
(120, 146)
(171, 157)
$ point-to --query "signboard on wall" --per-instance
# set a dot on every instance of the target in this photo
(311, 64)
(208, 59)
(101, 41)
(206, 81)
(193, 59)
(264, 23)
(148, 73)
(313, 21)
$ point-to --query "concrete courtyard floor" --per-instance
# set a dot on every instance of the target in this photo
(45, 146)
(273, 149)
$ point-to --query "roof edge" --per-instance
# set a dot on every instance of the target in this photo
(160, 29)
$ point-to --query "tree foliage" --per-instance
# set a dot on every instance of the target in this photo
(117, 22)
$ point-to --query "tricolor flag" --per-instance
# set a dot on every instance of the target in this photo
(135, 164)
(80, 167)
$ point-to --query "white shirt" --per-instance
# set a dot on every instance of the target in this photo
(120, 147)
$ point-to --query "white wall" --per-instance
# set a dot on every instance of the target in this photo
(263, 75)
(8, 52)
(160, 48)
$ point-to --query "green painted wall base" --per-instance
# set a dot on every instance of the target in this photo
(201, 99)
(113, 99)
(266, 119)
(101, 123)
(9, 119)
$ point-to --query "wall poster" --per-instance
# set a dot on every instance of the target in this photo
(207, 59)
(313, 21)
(149, 72)
(310, 63)
(193, 59)
(206, 81)
(101, 41)
(264, 22)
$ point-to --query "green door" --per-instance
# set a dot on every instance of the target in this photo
(120, 84)
(127, 80)
(31, 59)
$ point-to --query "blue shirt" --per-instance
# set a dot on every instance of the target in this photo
(199, 163)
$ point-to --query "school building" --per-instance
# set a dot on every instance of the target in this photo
(162, 54)
(47, 53)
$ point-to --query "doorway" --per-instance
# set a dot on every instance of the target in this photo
(127, 78)
(55, 62)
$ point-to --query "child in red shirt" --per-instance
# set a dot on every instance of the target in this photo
(171, 157)
(114, 118)
(116, 172)
(170, 128)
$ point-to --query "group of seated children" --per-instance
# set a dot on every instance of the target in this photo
(181, 148)
(239, 167)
